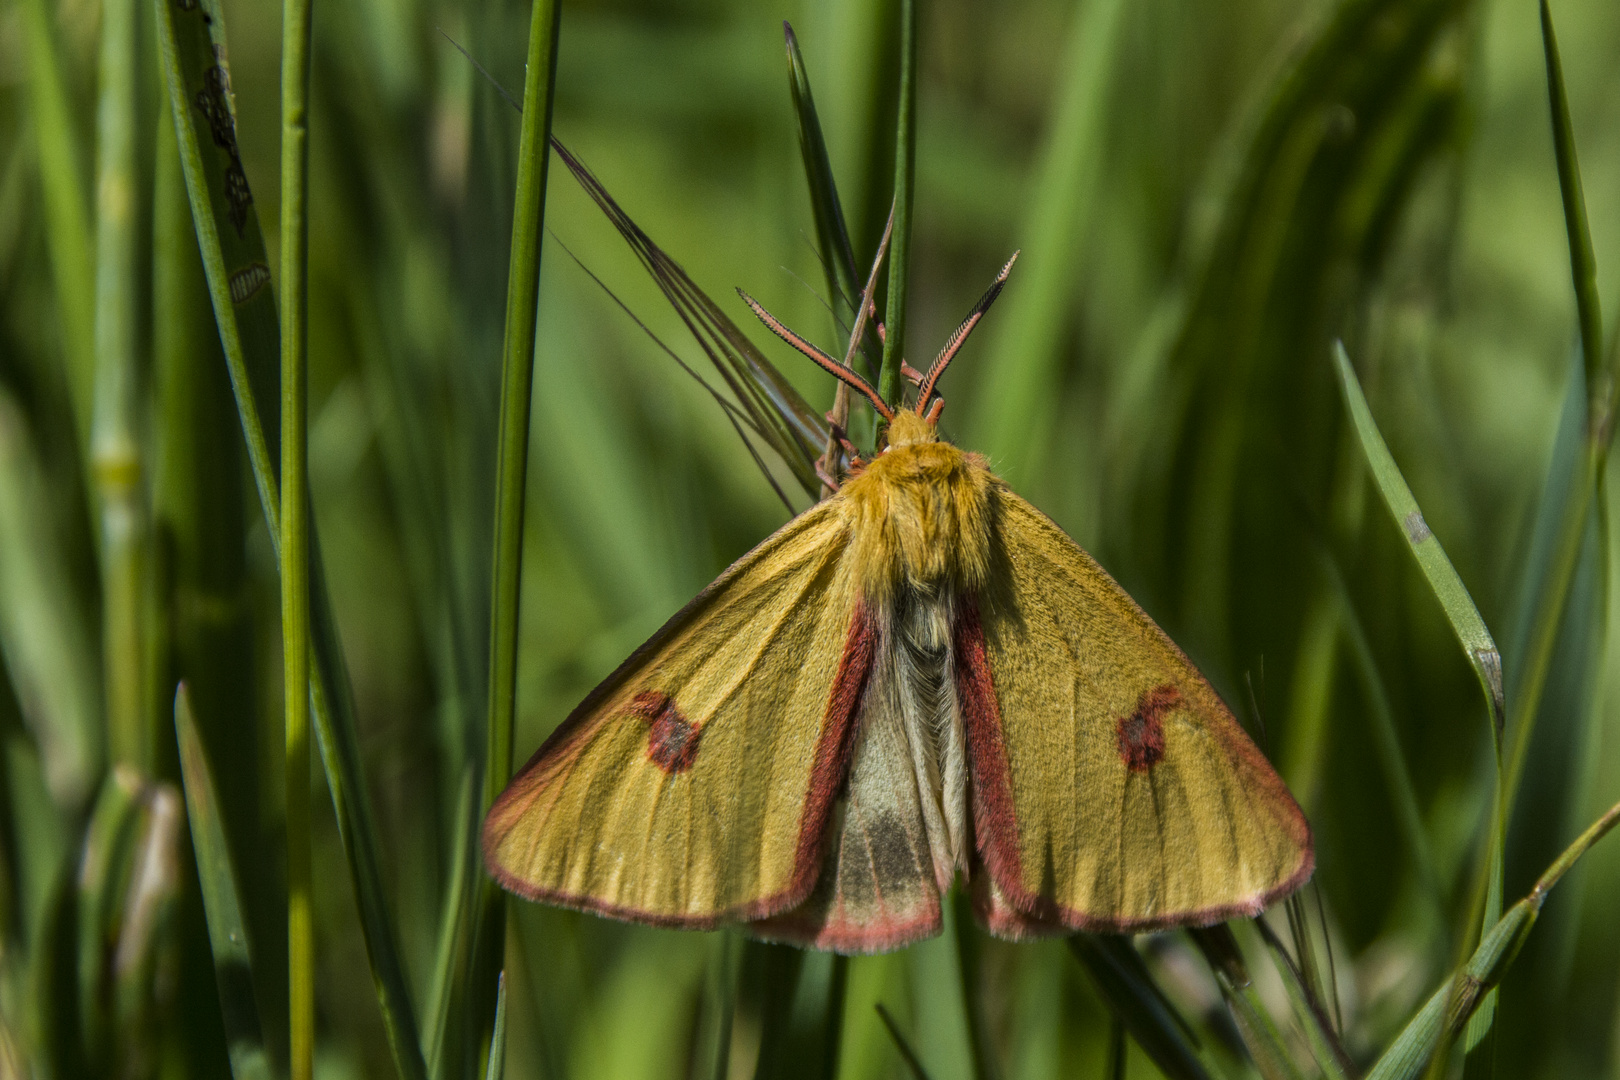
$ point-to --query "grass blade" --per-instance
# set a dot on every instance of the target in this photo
(67, 214)
(1029, 335)
(115, 445)
(1451, 1006)
(1479, 647)
(832, 233)
(907, 1054)
(1582, 263)
(191, 38)
(1387, 740)
(905, 182)
(46, 639)
(227, 931)
(1331, 1057)
(1599, 431)
(511, 484)
(109, 838)
(767, 402)
(497, 1037)
(968, 963)
(718, 1010)
(1137, 1002)
(1271, 1056)
(294, 548)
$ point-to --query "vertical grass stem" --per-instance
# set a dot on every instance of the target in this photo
(295, 616)
(517, 382)
(905, 173)
(115, 444)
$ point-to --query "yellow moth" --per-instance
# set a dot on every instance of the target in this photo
(919, 678)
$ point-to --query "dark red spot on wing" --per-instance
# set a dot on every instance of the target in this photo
(1141, 734)
(672, 742)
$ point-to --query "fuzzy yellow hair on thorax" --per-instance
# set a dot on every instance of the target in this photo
(919, 514)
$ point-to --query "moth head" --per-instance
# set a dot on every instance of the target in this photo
(909, 429)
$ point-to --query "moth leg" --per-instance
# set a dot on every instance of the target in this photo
(842, 438)
(832, 482)
(913, 376)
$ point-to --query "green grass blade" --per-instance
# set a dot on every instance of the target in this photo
(1463, 616)
(67, 209)
(832, 1043)
(969, 969)
(1029, 338)
(1451, 1006)
(517, 377)
(233, 255)
(718, 1009)
(832, 233)
(115, 443)
(511, 484)
(496, 1067)
(47, 642)
(1479, 648)
(453, 948)
(1387, 741)
(205, 633)
(763, 402)
(1327, 1049)
(1582, 262)
(1587, 468)
(1137, 1002)
(148, 926)
(1259, 1032)
(913, 1063)
(227, 930)
(905, 183)
(844, 283)
(294, 548)
(109, 839)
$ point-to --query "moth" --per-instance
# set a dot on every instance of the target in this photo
(920, 678)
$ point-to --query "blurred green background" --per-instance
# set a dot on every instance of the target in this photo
(1205, 196)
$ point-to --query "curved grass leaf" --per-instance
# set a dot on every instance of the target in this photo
(832, 233)
(1451, 1006)
(46, 639)
(191, 43)
(1479, 648)
(227, 930)
(1271, 1055)
(104, 866)
(768, 404)
(1326, 1047)
(1137, 1002)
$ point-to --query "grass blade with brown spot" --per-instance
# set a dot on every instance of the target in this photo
(191, 44)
